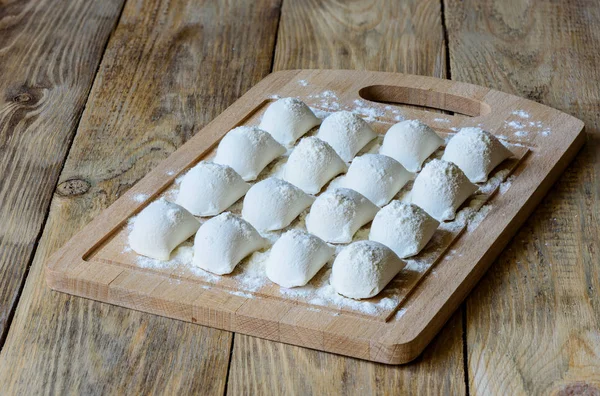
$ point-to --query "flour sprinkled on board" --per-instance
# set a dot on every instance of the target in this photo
(369, 113)
(327, 100)
(521, 113)
(302, 83)
(320, 292)
(250, 273)
(478, 217)
(140, 197)
(515, 124)
(521, 133)
(535, 124)
(506, 184)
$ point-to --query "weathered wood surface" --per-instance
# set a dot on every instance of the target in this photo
(47, 67)
(533, 323)
(168, 69)
(353, 35)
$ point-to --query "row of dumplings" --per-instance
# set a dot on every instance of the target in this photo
(398, 230)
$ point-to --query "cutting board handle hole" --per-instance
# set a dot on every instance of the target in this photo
(425, 99)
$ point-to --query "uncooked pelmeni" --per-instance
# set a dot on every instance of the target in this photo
(296, 257)
(337, 214)
(441, 188)
(410, 142)
(223, 241)
(377, 177)
(403, 227)
(476, 152)
(160, 228)
(287, 119)
(312, 164)
(208, 189)
(248, 150)
(346, 132)
(363, 269)
(273, 204)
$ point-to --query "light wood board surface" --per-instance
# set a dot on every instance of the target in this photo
(532, 49)
(82, 267)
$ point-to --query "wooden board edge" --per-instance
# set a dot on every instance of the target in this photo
(399, 349)
(267, 327)
(388, 349)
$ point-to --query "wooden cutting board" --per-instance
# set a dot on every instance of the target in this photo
(393, 327)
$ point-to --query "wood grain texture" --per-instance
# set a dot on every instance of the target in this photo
(365, 35)
(47, 67)
(261, 367)
(533, 322)
(169, 68)
(377, 35)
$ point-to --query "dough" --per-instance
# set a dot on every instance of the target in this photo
(312, 164)
(405, 228)
(476, 152)
(337, 214)
(273, 204)
(223, 241)
(287, 119)
(160, 228)
(296, 257)
(377, 177)
(441, 188)
(410, 142)
(248, 150)
(208, 189)
(363, 269)
(346, 132)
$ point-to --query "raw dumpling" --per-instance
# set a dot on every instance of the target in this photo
(410, 142)
(377, 177)
(248, 150)
(273, 204)
(337, 214)
(208, 189)
(296, 257)
(312, 164)
(404, 228)
(346, 132)
(363, 269)
(287, 119)
(476, 152)
(223, 241)
(441, 188)
(160, 228)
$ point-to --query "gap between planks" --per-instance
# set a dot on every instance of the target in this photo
(19, 293)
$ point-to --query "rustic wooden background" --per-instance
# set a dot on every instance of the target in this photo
(93, 94)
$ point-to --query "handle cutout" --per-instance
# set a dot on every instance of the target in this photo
(423, 98)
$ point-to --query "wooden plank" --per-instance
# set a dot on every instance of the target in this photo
(169, 68)
(532, 323)
(46, 70)
(260, 366)
(374, 35)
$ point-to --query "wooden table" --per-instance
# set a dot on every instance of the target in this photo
(94, 94)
